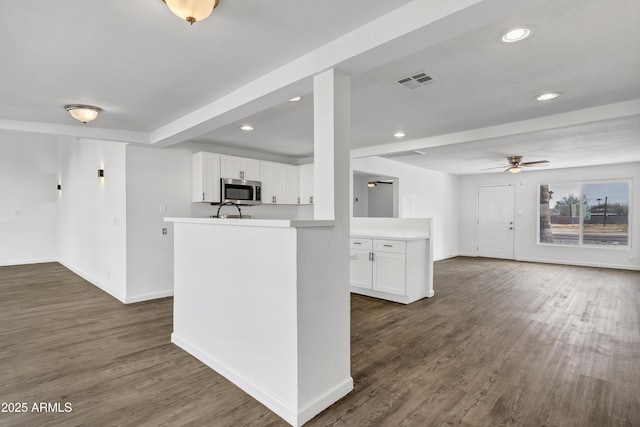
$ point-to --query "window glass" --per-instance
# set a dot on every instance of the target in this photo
(560, 214)
(606, 216)
(590, 213)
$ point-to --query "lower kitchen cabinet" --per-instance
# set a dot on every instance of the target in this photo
(396, 270)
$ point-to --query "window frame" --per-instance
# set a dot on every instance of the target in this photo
(581, 244)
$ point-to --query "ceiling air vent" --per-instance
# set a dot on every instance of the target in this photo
(402, 154)
(416, 80)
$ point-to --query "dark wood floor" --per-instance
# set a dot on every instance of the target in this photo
(501, 343)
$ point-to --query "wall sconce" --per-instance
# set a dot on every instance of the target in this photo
(100, 173)
(59, 187)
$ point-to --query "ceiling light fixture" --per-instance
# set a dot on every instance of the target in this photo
(295, 99)
(514, 169)
(399, 134)
(371, 184)
(246, 128)
(191, 10)
(516, 34)
(547, 96)
(83, 113)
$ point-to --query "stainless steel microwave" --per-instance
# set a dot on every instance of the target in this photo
(240, 191)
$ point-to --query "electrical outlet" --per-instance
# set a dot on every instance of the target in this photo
(164, 232)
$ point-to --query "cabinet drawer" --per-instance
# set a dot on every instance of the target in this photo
(360, 243)
(395, 246)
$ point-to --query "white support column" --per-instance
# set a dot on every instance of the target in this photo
(332, 141)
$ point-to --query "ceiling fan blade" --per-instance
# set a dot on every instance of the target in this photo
(497, 167)
(536, 163)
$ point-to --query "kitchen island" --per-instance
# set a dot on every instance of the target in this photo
(392, 258)
(265, 304)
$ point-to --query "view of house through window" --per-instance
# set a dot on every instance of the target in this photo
(585, 213)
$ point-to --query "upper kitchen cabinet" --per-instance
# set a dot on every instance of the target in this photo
(306, 183)
(280, 183)
(239, 168)
(206, 177)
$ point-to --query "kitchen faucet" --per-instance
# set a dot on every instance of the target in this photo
(228, 203)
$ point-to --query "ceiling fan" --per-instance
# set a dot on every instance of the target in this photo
(374, 183)
(516, 164)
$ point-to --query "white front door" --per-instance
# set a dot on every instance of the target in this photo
(495, 221)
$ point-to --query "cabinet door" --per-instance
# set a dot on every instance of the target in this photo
(293, 185)
(250, 169)
(306, 184)
(389, 273)
(230, 167)
(267, 176)
(206, 177)
(361, 273)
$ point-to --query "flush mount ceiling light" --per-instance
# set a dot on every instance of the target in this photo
(399, 135)
(516, 34)
(295, 99)
(547, 96)
(246, 128)
(191, 10)
(83, 113)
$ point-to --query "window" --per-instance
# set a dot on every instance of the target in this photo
(585, 213)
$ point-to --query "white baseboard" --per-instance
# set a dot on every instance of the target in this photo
(95, 282)
(147, 297)
(294, 416)
(581, 263)
(470, 254)
(26, 262)
(323, 401)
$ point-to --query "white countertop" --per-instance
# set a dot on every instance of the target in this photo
(391, 234)
(279, 223)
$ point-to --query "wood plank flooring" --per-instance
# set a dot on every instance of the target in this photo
(501, 343)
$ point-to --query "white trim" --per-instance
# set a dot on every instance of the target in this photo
(147, 297)
(469, 254)
(293, 416)
(580, 263)
(325, 400)
(26, 262)
(95, 283)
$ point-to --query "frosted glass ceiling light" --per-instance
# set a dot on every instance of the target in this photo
(246, 128)
(83, 113)
(515, 169)
(191, 10)
(547, 96)
(516, 35)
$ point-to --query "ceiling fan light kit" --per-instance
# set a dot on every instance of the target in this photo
(191, 11)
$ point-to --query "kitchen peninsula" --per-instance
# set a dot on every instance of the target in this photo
(255, 300)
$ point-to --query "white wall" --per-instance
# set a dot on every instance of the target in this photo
(526, 201)
(93, 217)
(28, 198)
(158, 185)
(381, 200)
(361, 205)
(422, 194)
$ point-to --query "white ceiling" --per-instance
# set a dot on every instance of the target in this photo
(149, 71)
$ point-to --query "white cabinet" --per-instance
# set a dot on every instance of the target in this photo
(206, 177)
(239, 168)
(306, 184)
(279, 183)
(395, 270)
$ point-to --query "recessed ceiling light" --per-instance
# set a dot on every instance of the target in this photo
(547, 96)
(295, 99)
(399, 135)
(246, 128)
(516, 34)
